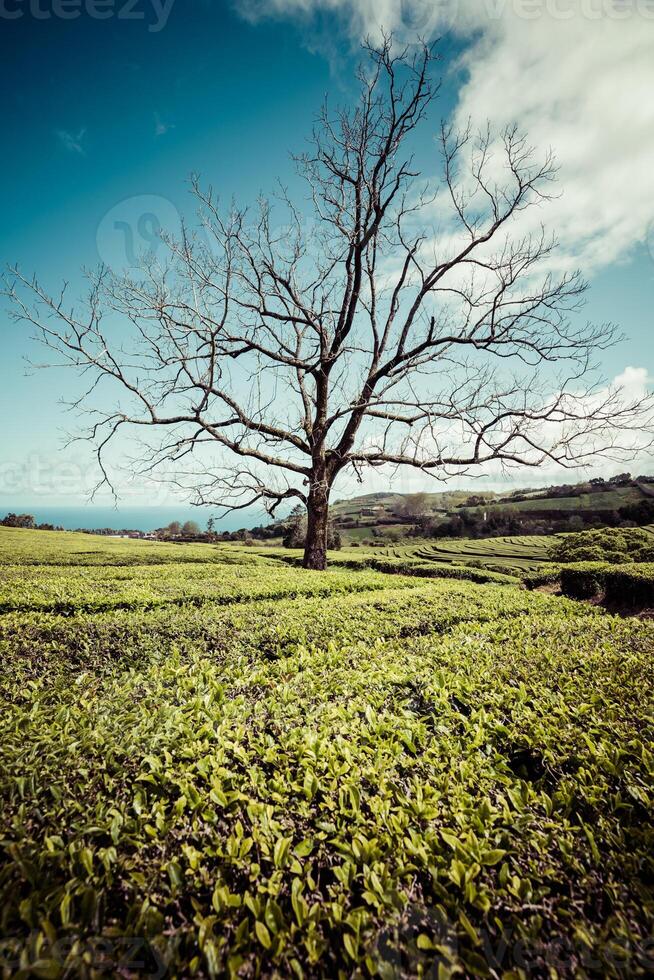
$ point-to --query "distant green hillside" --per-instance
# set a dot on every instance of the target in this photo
(621, 500)
(396, 504)
(603, 501)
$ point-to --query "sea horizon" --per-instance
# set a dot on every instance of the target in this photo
(96, 517)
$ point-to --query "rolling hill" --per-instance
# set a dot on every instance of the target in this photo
(594, 503)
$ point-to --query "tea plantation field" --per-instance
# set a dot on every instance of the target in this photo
(213, 763)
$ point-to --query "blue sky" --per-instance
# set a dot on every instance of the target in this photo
(109, 117)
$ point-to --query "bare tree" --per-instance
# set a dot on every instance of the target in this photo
(391, 331)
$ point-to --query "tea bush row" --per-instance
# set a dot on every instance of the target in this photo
(253, 792)
(68, 590)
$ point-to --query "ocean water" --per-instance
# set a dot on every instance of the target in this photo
(134, 518)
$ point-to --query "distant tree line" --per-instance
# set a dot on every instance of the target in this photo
(27, 521)
(597, 485)
(175, 530)
(190, 531)
(259, 533)
(498, 523)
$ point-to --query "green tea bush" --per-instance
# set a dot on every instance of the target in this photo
(37, 642)
(66, 591)
(630, 585)
(408, 565)
(507, 555)
(485, 564)
(338, 775)
(615, 545)
(303, 815)
(547, 575)
(583, 580)
(403, 566)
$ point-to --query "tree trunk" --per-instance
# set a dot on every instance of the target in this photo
(315, 547)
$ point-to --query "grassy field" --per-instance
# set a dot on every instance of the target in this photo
(213, 763)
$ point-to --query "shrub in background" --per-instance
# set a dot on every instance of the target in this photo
(583, 580)
(630, 585)
(615, 545)
(543, 576)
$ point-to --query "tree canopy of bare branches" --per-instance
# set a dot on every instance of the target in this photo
(383, 322)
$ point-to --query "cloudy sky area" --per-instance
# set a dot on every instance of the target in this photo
(120, 111)
(575, 75)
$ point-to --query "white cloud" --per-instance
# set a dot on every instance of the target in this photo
(576, 75)
(581, 87)
(634, 382)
